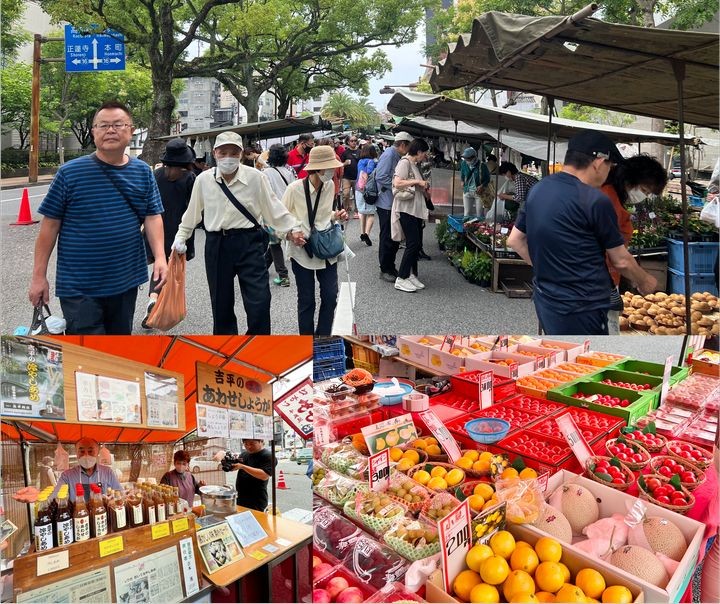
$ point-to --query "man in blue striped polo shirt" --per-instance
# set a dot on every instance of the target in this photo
(93, 210)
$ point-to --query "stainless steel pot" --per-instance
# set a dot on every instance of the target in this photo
(219, 500)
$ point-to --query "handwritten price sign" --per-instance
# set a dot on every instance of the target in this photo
(379, 470)
(296, 408)
(456, 537)
(485, 385)
(441, 432)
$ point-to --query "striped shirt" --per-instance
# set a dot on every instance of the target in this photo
(100, 248)
(103, 475)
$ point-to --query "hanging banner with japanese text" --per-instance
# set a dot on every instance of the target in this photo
(219, 387)
(296, 408)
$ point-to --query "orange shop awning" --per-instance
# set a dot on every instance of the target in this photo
(264, 358)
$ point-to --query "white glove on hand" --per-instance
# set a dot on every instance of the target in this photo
(179, 246)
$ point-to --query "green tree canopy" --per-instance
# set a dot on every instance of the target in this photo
(360, 113)
(15, 93)
(12, 36)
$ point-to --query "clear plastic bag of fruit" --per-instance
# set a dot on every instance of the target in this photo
(413, 539)
(338, 489)
(524, 499)
(377, 511)
(374, 563)
(333, 533)
(343, 458)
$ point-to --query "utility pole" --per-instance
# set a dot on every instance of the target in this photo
(35, 103)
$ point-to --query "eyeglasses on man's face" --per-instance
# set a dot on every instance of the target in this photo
(117, 126)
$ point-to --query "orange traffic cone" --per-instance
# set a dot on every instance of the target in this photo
(24, 215)
(281, 481)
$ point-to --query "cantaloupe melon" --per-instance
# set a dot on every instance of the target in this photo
(642, 563)
(577, 504)
(659, 535)
(553, 521)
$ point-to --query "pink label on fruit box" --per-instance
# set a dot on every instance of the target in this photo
(441, 432)
(574, 438)
(379, 471)
(456, 537)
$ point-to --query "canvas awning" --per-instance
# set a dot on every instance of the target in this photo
(264, 358)
(289, 126)
(583, 60)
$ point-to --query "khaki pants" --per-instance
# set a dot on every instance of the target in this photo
(348, 194)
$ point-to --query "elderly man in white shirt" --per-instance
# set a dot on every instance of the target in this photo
(236, 202)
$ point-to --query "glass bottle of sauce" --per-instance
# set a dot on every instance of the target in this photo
(134, 508)
(81, 516)
(118, 514)
(160, 506)
(64, 530)
(99, 526)
(149, 507)
(167, 494)
(43, 526)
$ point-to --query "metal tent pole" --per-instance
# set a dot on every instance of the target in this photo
(551, 107)
(452, 178)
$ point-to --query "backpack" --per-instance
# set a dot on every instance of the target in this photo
(371, 192)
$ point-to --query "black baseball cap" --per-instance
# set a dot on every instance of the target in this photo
(595, 144)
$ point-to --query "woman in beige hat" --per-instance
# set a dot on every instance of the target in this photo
(306, 268)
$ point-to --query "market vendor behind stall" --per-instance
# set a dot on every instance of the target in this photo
(182, 478)
(87, 472)
(254, 472)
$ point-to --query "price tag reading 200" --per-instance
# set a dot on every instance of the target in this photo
(379, 471)
(456, 537)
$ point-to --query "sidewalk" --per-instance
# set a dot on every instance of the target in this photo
(19, 182)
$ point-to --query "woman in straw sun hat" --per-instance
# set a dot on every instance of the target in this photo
(306, 268)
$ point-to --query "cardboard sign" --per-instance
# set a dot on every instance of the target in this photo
(296, 408)
(502, 343)
(574, 438)
(456, 537)
(392, 432)
(111, 546)
(379, 470)
(586, 346)
(321, 433)
(180, 525)
(449, 341)
(441, 432)
(160, 530)
(666, 379)
(513, 368)
(222, 388)
(485, 389)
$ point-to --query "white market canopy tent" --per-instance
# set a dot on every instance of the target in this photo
(520, 130)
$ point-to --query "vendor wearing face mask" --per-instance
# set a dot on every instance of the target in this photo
(628, 184)
(236, 202)
(182, 478)
(321, 168)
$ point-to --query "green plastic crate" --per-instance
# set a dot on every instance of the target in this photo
(677, 374)
(640, 401)
(634, 378)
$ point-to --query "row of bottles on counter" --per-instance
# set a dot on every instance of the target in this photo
(60, 521)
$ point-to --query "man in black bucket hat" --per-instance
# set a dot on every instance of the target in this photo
(564, 230)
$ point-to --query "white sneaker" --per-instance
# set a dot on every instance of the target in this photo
(416, 282)
(405, 285)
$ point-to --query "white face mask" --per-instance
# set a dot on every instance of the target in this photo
(326, 176)
(87, 462)
(636, 196)
(228, 165)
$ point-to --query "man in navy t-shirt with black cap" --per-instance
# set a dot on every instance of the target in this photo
(564, 230)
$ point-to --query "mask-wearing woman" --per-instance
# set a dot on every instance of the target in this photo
(182, 477)
(318, 187)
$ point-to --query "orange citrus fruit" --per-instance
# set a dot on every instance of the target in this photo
(591, 582)
(528, 473)
(437, 484)
(494, 570)
(483, 593)
(476, 502)
(405, 464)
(472, 455)
(421, 476)
(412, 455)
(566, 572)
(523, 597)
(518, 581)
(490, 503)
(464, 583)
(484, 490)
(618, 594)
(419, 443)
(522, 544)
(486, 456)
(431, 440)
(438, 471)
(509, 473)
(477, 554)
(455, 476)
(433, 450)
(549, 576)
(570, 593)
(524, 558)
(545, 596)
(548, 550)
(465, 463)
(502, 544)
(396, 454)
(481, 466)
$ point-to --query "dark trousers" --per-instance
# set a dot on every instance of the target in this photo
(412, 228)
(585, 322)
(305, 282)
(274, 255)
(387, 248)
(109, 315)
(240, 254)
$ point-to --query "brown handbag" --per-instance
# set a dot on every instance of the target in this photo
(170, 308)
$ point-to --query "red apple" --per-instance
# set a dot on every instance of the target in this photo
(320, 595)
(335, 586)
(351, 594)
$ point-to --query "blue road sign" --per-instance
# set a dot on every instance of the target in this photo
(94, 52)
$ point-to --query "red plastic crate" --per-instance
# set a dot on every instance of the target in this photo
(466, 384)
(532, 404)
(610, 425)
(462, 402)
(548, 427)
(551, 455)
(354, 423)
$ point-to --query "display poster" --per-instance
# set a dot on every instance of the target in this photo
(456, 538)
(379, 471)
(31, 379)
(92, 586)
(241, 424)
(222, 388)
(187, 558)
(440, 431)
(161, 393)
(107, 399)
(392, 432)
(212, 421)
(218, 546)
(246, 528)
(263, 427)
(296, 408)
(152, 578)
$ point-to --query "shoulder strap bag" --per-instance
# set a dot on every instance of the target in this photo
(281, 175)
(404, 194)
(323, 244)
(233, 200)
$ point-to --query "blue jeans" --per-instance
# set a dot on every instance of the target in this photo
(305, 282)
